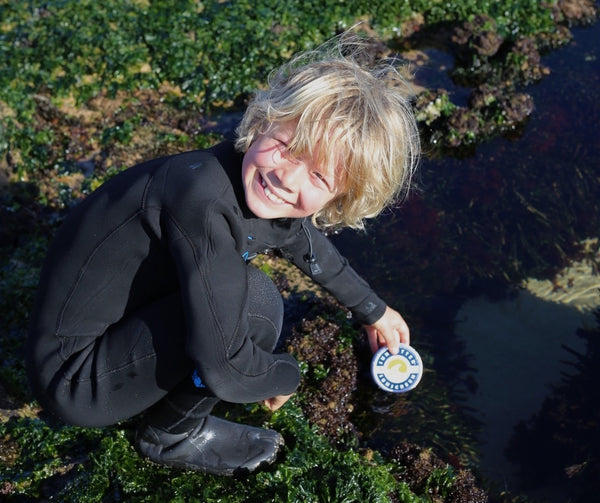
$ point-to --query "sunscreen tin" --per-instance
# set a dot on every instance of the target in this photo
(397, 373)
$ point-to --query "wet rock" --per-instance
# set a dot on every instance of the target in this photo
(558, 37)
(411, 26)
(479, 35)
(419, 462)
(517, 108)
(578, 11)
(463, 125)
(494, 67)
(525, 61)
(501, 103)
(432, 105)
(419, 466)
(491, 109)
(484, 96)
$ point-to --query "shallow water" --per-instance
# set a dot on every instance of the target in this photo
(511, 209)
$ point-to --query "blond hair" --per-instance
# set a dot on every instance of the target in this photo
(356, 121)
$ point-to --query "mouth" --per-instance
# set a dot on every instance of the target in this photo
(274, 198)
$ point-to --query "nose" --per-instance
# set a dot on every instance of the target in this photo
(290, 174)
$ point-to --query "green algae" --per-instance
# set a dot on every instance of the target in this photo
(311, 469)
(209, 55)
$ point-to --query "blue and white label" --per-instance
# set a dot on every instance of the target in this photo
(397, 373)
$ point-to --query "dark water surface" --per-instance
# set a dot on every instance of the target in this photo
(515, 207)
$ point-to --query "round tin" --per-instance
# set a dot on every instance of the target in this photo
(397, 373)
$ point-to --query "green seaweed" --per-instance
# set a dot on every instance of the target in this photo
(111, 471)
(197, 56)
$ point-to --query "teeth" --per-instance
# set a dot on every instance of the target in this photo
(269, 194)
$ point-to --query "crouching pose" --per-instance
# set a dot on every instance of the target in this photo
(148, 302)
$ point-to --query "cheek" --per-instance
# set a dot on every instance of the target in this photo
(315, 200)
(248, 170)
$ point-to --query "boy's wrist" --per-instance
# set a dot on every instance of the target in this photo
(370, 310)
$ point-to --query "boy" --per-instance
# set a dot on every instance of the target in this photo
(146, 301)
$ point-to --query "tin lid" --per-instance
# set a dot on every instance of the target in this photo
(397, 373)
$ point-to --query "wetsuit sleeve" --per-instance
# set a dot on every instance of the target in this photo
(333, 272)
(213, 280)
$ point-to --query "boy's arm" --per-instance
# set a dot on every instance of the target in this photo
(389, 330)
(384, 325)
(219, 341)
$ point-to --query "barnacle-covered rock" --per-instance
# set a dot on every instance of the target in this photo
(463, 126)
(419, 466)
(432, 105)
(479, 35)
(578, 11)
(525, 61)
(517, 108)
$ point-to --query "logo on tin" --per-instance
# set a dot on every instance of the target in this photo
(397, 373)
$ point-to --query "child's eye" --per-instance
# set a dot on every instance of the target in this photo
(285, 152)
(322, 179)
(283, 146)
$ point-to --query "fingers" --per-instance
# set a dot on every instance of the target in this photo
(404, 333)
(275, 402)
(390, 330)
(378, 339)
(393, 343)
(373, 337)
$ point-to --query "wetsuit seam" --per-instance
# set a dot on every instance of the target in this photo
(221, 335)
(83, 269)
(200, 269)
(99, 377)
(145, 193)
(264, 318)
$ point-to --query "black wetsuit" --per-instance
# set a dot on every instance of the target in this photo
(146, 281)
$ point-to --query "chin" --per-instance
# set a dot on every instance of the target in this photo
(260, 210)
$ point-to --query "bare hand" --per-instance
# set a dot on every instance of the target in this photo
(277, 401)
(389, 330)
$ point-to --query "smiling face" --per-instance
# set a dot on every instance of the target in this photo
(280, 185)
